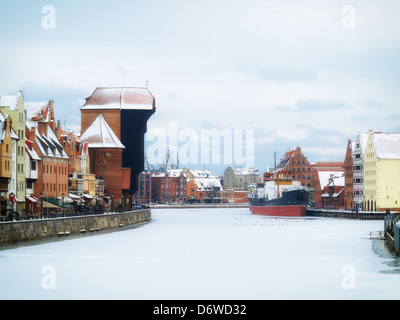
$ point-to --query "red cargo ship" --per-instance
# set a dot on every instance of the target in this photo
(279, 196)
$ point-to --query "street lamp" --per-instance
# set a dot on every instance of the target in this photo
(41, 201)
(112, 202)
(81, 204)
(62, 204)
(11, 197)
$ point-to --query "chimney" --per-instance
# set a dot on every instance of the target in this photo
(42, 128)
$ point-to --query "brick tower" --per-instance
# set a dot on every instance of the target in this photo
(126, 110)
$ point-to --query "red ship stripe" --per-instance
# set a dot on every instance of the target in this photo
(286, 211)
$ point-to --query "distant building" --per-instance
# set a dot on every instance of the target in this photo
(240, 178)
(358, 171)
(203, 187)
(296, 166)
(72, 146)
(348, 171)
(144, 187)
(169, 187)
(325, 171)
(333, 186)
(382, 172)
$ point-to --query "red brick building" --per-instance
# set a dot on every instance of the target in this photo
(325, 170)
(348, 174)
(105, 154)
(52, 170)
(126, 111)
(296, 165)
(332, 196)
(145, 187)
(169, 187)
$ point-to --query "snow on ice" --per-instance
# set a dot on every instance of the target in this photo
(208, 254)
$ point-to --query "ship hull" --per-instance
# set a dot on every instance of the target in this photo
(291, 204)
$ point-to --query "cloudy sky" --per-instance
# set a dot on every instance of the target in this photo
(296, 73)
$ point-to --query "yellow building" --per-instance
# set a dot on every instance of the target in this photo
(5, 161)
(14, 106)
(382, 172)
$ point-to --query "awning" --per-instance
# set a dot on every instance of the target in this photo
(66, 199)
(87, 196)
(19, 199)
(49, 205)
(74, 196)
(31, 199)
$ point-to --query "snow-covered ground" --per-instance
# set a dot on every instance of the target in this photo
(208, 254)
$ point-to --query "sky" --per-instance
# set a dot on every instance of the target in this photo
(289, 73)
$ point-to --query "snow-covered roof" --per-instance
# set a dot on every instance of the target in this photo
(9, 101)
(329, 177)
(201, 173)
(208, 184)
(100, 135)
(362, 139)
(333, 195)
(387, 145)
(127, 98)
(3, 132)
(32, 153)
(174, 172)
(245, 171)
(34, 110)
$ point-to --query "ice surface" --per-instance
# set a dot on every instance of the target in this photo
(207, 254)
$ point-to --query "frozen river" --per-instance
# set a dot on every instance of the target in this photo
(208, 254)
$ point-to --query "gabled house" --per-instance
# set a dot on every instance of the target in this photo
(105, 156)
(13, 105)
(382, 172)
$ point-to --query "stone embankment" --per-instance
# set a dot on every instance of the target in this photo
(19, 231)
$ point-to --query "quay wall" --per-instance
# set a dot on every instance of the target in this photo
(360, 215)
(19, 231)
(200, 206)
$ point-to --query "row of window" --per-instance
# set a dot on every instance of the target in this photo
(50, 187)
(303, 177)
(302, 169)
(7, 165)
(49, 169)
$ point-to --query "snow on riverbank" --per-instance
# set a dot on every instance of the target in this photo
(208, 254)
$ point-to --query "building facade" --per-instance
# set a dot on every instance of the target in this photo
(5, 161)
(348, 171)
(14, 107)
(358, 171)
(126, 110)
(144, 187)
(382, 172)
(324, 171)
(105, 156)
(240, 178)
(169, 187)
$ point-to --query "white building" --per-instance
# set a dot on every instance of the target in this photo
(240, 178)
(358, 170)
